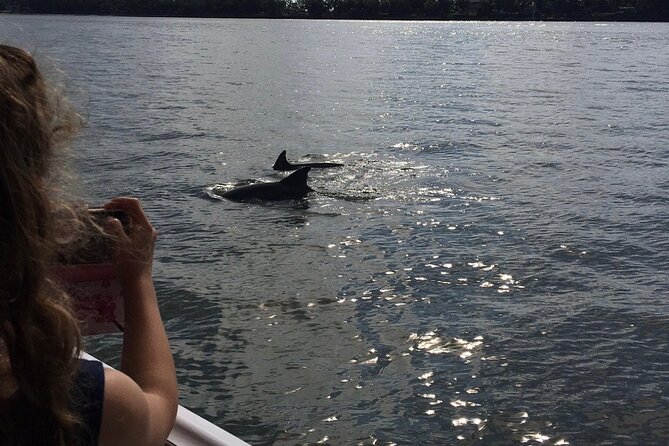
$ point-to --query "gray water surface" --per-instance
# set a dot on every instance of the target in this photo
(490, 266)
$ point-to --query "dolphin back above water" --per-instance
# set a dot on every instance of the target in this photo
(292, 187)
(282, 163)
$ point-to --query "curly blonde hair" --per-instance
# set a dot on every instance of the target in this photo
(37, 327)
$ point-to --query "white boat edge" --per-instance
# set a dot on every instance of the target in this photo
(191, 429)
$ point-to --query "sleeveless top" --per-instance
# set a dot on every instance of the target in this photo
(35, 427)
(87, 396)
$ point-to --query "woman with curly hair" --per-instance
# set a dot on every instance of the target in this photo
(48, 396)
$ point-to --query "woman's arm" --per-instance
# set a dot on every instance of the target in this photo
(140, 402)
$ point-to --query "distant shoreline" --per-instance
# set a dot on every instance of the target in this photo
(360, 18)
(390, 10)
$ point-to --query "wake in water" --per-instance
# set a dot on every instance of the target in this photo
(364, 176)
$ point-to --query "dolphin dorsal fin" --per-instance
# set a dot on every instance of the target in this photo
(297, 178)
(281, 162)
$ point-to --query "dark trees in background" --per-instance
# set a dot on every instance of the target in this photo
(641, 10)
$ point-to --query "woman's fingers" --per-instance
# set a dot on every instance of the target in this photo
(133, 207)
(134, 253)
(115, 228)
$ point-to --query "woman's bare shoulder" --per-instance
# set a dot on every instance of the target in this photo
(125, 411)
(131, 416)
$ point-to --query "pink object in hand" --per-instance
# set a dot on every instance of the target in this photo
(96, 296)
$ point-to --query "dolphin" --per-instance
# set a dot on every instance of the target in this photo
(292, 187)
(283, 164)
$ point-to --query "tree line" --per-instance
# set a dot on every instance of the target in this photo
(630, 10)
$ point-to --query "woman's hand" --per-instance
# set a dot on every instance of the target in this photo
(133, 256)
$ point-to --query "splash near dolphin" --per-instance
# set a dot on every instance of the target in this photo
(282, 163)
(292, 187)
